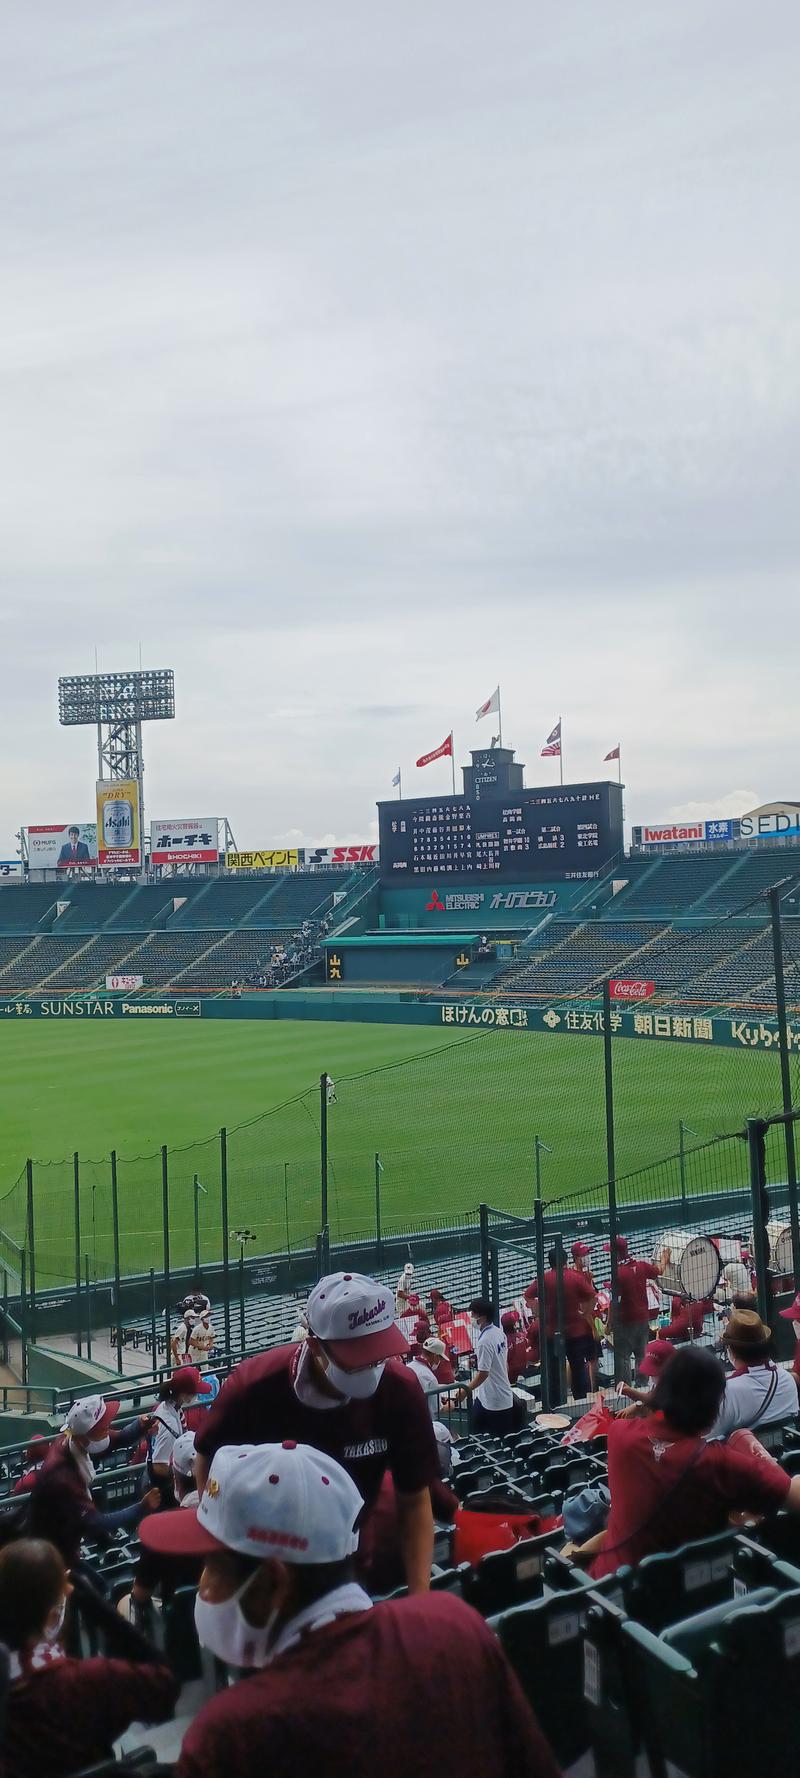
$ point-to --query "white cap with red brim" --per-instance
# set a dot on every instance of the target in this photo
(91, 1415)
(265, 1500)
(354, 1318)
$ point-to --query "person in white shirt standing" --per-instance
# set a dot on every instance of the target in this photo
(493, 1405)
(759, 1392)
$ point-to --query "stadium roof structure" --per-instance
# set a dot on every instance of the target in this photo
(402, 938)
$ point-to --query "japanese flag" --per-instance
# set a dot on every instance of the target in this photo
(492, 703)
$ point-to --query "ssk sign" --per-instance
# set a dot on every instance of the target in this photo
(622, 990)
(366, 854)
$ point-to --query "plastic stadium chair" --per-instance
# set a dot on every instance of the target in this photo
(181, 1646)
(504, 1579)
(543, 1643)
(662, 1589)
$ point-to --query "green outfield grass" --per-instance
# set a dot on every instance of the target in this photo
(453, 1118)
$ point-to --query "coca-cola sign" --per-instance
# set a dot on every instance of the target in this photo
(624, 990)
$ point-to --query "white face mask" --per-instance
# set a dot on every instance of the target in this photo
(100, 1445)
(53, 1631)
(357, 1385)
(223, 1628)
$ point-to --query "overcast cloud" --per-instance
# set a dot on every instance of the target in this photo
(355, 356)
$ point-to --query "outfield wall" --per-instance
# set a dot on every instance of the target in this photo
(338, 1006)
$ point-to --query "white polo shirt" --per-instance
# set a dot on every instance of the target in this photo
(491, 1353)
(745, 1395)
(168, 1424)
(427, 1381)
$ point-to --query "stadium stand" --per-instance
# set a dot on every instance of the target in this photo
(225, 903)
(304, 894)
(240, 956)
(91, 963)
(22, 908)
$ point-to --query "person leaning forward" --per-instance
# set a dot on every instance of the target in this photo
(341, 1392)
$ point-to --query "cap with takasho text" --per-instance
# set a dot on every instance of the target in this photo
(621, 1246)
(91, 1414)
(580, 1250)
(186, 1380)
(265, 1500)
(354, 1318)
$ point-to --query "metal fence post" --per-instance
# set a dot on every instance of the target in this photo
(611, 1164)
(756, 1150)
(483, 1213)
(242, 1327)
(196, 1194)
(31, 1239)
(682, 1159)
(494, 1277)
(88, 1313)
(23, 1314)
(115, 1226)
(153, 1325)
(378, 1237)
(76, 1217)
(226, 1281)
(544, 1342)
(786, 1079)
(323, 1148)
(165, 1236)
(560, 1340)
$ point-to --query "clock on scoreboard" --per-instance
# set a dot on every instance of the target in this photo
(567, 830)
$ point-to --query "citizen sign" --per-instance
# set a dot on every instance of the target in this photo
(622, 990)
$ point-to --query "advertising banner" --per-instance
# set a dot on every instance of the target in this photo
(184, 841)
(127, 982)
(685, 833)
(68, 846)
(775, 821)
(118, 839)
(359, 854)
(11, 870)
(622, 990)
(276, 858)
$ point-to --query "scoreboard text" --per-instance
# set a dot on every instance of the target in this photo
(574, 830)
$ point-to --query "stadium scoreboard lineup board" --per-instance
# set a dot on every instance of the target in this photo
(497, 829)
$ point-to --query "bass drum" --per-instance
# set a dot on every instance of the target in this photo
(779, 1236)
(694, 1267)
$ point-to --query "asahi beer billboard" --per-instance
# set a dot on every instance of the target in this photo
(118, 838)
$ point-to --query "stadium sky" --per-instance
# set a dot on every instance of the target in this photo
(354, 357)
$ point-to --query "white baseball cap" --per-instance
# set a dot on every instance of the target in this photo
(265, 1500)
(437, 1347)
(354, 1317)
(183, 1454)
(91, 1414)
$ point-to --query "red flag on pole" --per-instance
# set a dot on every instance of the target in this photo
(614, 754)
(443, 752)
(552, 746)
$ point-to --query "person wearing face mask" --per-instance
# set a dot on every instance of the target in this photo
(337, 1683)
(493, 1408)
(168, 1424)
(63, 1714)
(341, 1391)
(62, 1508)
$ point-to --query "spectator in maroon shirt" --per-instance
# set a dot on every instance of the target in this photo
(62, 1507)
(435, 1354)
(337, 1392)
(668, 1484)
(35, 1454)
(578, 1299)
(341, 1686)
(441, 1309)
(518, 1356)
(63, 1714)
(629, 1318)
(686, 1319)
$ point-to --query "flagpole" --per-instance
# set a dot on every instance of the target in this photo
(560, 751)
(399, 784)
(619, 759)
(453, 760)
(499, 717)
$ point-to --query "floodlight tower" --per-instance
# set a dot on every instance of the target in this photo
(117, 704)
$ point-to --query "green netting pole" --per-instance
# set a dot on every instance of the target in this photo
(4, 1347)
(165, 1221)
(31, 1236)
(323, 1148)
(23, 1314)
(378, 1238)
(682, 1158)
(483, 1212)
(153, 1330)
(223, 1180)
(611, 1163)
(242, 1328)
(786, 1079)
(88, 1313)
(544, 1343)
(196, 1191)
(115, 1227)
(560, 1342)
(756, 1150)
(76, 1217)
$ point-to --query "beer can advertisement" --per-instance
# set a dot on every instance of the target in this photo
(185, 841)
(118, 844)
(68, 845)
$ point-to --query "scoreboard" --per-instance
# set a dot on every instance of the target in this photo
(569, 831)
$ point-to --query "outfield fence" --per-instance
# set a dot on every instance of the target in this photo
(366, 1162)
